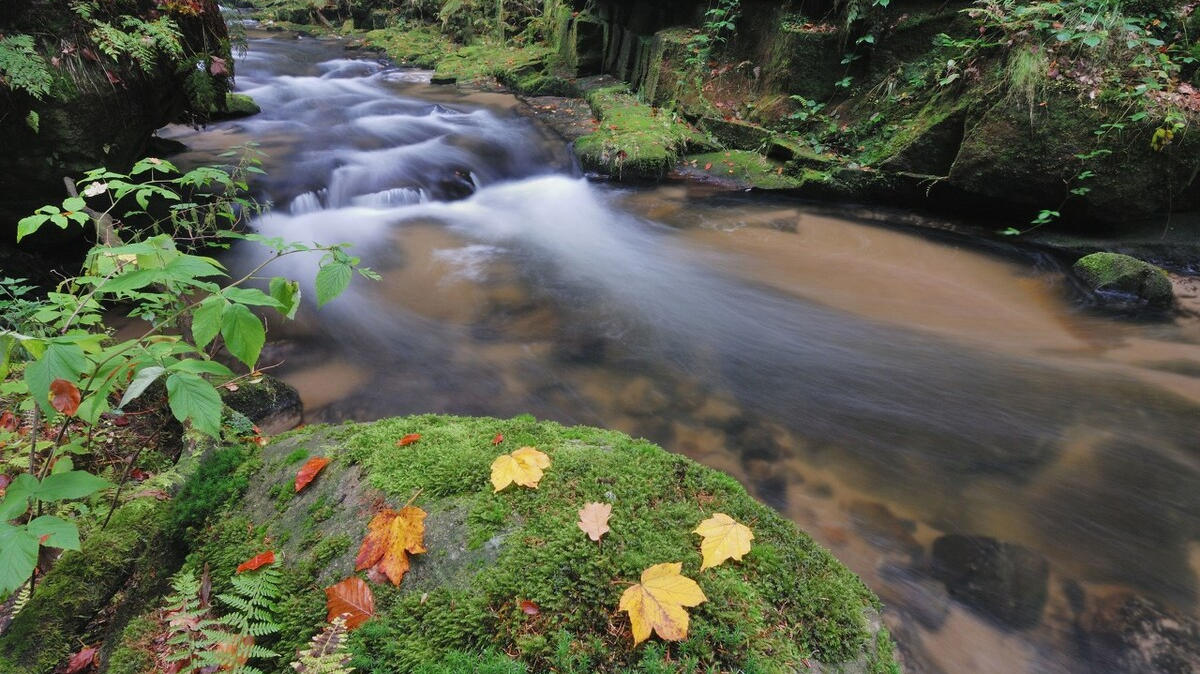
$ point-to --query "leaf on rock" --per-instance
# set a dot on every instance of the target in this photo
(391, 537)
(256, 561)
(64, 397)
(523, 467)
(593, 519)
(408, 439)
(724, 539)
(351, 598)
(309, 471)
(82, 661)
(659, 602)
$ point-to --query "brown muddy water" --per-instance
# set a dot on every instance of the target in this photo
(888, 389)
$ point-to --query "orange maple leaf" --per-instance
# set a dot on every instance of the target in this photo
(391, 537)
(309, 471)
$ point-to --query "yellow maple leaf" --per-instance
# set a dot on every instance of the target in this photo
(658, 603)
(523, 467)
(391, 537)
(724, 539)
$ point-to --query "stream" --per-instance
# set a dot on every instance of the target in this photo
(880, 385)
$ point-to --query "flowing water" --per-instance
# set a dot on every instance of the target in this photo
(881, 386)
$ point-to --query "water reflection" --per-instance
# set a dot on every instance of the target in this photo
(882, 389)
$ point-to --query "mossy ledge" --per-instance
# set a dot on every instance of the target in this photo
(459, 607)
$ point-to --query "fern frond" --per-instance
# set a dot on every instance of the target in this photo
(326, 653)
(22, 68)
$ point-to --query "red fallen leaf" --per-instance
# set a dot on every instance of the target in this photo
(65, 397)
(218, 68)
(408, 439)
(351, 598)
(253, 563)
(708, 166)
(530, 608)
(498, 439)
(8, 421)
(112, 79)
(139, 474)
(5, 481)
(120, 420)
(82, 661)
(309, 471)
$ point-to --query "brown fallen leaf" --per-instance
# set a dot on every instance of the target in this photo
(351, 598)
(408, 439)
(523, 467)
(391, 537)
(658, 603)
(593, 519)
(530, 608)
(82, 661)
(64, 397)
(309, 471)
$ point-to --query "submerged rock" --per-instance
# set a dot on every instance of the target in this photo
(1127, 634)
(1122, 275)
(1003, 581)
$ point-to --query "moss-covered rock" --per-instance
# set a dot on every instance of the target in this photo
(635, 140)
(1125, 275)
(460, 602)
(236, 107)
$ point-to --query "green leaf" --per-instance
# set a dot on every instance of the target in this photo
(72, 484)
(16, 497)
(141, 381)
(244, 334)
(133, 280)
(199, 366)
(193, 267)
(287, 293)
(60, 361)
(59, 533)
(332, 280)
(252, 296)
(29, 225)
(18, 556)
(206, 321)
(193, 399)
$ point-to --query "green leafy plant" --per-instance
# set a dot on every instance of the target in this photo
(197, 641)
(22, 68)
(67, 368)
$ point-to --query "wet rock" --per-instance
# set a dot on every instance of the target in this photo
(881, 528)
(1117, 276)
(237, 106)
(1003, 581)
(642, 396)
(925, 601)
(271, 403)
(1127, 634)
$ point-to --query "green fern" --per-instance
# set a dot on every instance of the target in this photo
(193, 634)
(22, 68)
(139, 40)
(197, 642)
(327, 652)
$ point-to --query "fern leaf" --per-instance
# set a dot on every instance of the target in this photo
(326, 653)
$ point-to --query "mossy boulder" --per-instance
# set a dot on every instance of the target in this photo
(1114, 273)
(236, 107)
(635, 140)
(459, 607)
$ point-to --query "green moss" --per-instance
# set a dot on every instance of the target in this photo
(81, 584)
(1117, 273)
(296, 456)
(132, 654)
(634, 140)
(419, 46)
(748, 169)
(788, 599)
(221, 478)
